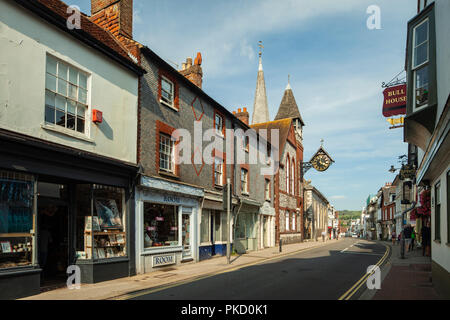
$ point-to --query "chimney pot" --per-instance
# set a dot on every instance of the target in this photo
(239, 110)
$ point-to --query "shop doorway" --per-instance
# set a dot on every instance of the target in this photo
(265, 232)
(53, 234)
(186, 233)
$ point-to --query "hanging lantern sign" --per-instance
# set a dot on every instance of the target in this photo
(394, 101)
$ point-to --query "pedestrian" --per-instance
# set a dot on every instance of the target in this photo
(407, 231)
(323, 236)
(394, 237)
(413, 238)
(426, 239)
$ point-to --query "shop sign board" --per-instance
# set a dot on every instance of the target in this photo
(164, 260)
(394, 101)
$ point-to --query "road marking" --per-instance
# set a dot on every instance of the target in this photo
(350, 292)
(365, 253)
(144, 292)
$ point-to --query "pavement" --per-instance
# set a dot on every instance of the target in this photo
(176, 275)
(404, 279)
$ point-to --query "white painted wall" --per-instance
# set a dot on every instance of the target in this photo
(25, 40)
(440, 251)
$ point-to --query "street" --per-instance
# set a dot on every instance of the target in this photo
(324, 273)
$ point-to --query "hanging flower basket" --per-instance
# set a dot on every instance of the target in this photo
(425, 200)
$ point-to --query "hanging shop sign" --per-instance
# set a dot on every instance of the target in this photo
(407, 172)
(394, 101)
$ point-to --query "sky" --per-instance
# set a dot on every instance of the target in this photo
(336, 67)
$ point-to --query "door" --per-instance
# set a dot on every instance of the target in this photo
(265, 233)
(186, 233)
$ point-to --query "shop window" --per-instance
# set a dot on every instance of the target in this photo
(16, 220)
(217, 227)
(205, 227)
(160, 225)
(66, 95)
(101, 227)
(224, 226)
(246, 226)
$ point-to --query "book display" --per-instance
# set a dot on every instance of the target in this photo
(16, 221)
(104, 232)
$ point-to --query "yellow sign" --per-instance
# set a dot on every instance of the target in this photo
(397, 121)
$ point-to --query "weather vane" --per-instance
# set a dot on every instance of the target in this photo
(260, 45)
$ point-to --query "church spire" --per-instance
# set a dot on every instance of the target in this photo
(260, 106)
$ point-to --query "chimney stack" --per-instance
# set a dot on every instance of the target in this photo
(242, 115)
(193, 72)
(114, 15)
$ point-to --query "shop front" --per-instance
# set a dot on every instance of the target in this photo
(246, 226)
(213, 228)
(166, 223)
(61, 208)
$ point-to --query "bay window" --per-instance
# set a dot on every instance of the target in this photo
(420, 66)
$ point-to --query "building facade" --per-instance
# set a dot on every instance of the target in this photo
(68, 159)
(427, 123)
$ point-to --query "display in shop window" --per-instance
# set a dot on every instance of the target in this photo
(108, 213)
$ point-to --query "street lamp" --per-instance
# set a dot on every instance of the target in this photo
(393, 169)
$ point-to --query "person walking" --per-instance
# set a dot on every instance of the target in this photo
(426, 239)
(394, 237)
(407, 234)
(413, 238)
(323, 236)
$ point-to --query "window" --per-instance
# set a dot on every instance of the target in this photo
(293, 222)
(167, 92)
(246, 143)
(288, 178)
(437, 212)
(160, 225)
(267, 190)
(16, 220)
(205, 227)
(293, 176)
(244, 180)
(288, 221)
(166, 153)
(218, 171)
(420, 63)
(219, 123)
(65, 95)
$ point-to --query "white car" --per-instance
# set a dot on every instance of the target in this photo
(354, 235)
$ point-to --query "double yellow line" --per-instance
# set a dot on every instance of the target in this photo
(351, 292)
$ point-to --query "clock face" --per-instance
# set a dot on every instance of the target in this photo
(321, 162)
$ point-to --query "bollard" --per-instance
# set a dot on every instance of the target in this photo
(281, 245)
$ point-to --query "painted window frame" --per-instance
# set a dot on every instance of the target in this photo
(163, 74)
(222, 156)
(267, 190)
(220, 132)
(422, 66)
(166, 130)
(246, 180)
(85, 106)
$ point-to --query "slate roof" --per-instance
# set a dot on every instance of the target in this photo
(288, 107)
(55, 12)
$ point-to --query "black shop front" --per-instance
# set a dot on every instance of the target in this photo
(60, 207)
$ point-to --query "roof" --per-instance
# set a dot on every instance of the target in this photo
(55, 12)
(283, 125)
(288, 107)
(189, 84)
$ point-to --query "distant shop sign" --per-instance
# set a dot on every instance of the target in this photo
(164, 260)
(394, 101)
